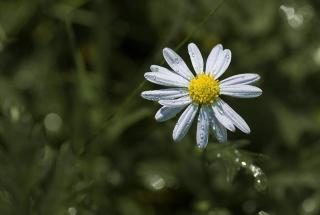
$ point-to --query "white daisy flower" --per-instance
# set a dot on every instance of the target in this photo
(200, 91)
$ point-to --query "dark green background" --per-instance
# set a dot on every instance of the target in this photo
(76, 138)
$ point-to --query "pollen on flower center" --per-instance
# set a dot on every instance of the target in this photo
(204, 89)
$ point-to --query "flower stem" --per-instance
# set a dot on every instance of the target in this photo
(142, 84)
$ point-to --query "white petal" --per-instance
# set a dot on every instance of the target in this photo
(177, 64)
(236, 119)
(165, 113)
(245, 78)
(222, 118)
(203, 127)
(172, 93)
(166, 79)
(196, 58)
(184, 122)
(240, 91)
(212, 58)
(156, 68)
(222, 64)
(219, 130)
(180, 102)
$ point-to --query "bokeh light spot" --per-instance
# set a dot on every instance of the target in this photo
(53, 122)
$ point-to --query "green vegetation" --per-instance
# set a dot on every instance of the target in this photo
(76, 138)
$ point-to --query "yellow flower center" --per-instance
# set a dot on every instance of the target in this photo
(204, 89)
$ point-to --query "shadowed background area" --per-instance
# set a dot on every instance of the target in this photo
(76, 138)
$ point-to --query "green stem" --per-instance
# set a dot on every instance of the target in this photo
(207, 177)
(142, 84)
(204, 21)
(78, 100)
(185, 40)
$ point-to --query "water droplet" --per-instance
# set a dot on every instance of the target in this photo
(176, 60)
(243, 164)
(261, 183)
(152, 77)
(256, 171)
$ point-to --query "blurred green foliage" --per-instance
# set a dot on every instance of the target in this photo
(77, 139)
